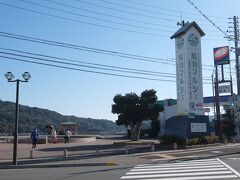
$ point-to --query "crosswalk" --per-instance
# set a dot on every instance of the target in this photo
(188, 170)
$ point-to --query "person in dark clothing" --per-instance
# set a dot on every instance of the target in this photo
(67, 136)
(34, 137)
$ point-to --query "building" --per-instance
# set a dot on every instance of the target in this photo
(170, 110)
(71, 126)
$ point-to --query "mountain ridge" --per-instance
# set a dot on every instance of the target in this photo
(35, 117)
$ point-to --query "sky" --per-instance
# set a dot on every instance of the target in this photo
(140, 28)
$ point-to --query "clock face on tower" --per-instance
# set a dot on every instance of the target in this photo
(193, 39)
(180, 43)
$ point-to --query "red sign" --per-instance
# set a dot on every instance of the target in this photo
(221, 55)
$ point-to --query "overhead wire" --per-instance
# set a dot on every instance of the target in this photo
(110, 15)
(95, 18)
(88, 49)
(82, 22)
(74, 68)
(163, 74)
(84, 70)
(145, 10)
(95, 65)
(118, 17)
(94, 50)
(166, 9)
(208, 18)
(90, 23)
(125, 11)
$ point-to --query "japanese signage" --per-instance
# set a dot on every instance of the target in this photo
(198, 127)
(189, 73)
(221, 55)
(224, 89)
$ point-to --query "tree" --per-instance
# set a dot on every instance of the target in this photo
(132, 110)
(228, 125)
(155, 125)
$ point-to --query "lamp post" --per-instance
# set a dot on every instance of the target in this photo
(10, 77)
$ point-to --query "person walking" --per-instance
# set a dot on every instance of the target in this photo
(54, 136)
(34, 137)
(67, 136)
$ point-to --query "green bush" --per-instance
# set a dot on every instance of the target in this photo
(194, 141)
(211, 139)
(170, 139)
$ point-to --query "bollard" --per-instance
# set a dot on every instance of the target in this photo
(152, 148)
(174, 146)
(97, 151)
(65, 153)
(126, 150)
(46, 139)
(31, 154)
(186, 141)
(225, 141)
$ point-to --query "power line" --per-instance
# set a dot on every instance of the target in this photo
(141, 71)
(83, 70)
(94, 50)
(82, 22)
(171, 10)
(139, 9)
(207, 18)
(124, 11)
(109, 67)
(94, 18)
(118, 17)
(84, 48)
(85, 66)
(89, 23)
(109, 15)
(144, 10)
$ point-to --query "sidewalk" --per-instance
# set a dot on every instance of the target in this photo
(84, 154)
(78, 154)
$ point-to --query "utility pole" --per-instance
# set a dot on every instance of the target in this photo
(217, 100)
(236, 38)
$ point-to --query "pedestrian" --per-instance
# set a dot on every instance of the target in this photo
(67, 136)
(54, 136)
(34, 137)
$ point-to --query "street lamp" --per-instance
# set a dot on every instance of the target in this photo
(10, 77)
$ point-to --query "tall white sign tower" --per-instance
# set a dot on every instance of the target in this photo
(189, 69)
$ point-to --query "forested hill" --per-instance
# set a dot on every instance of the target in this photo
(33, 117)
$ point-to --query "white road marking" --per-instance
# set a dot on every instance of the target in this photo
(197, 178)
(234, 158)
(216, 152)
(176, 175)
(230, 168)
(187, 170)
(178, 171)
(176, 168)
(179, 165)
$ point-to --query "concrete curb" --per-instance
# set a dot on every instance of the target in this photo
(30, 166)
(206, 157)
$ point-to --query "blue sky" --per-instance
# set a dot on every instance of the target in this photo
(127, 26)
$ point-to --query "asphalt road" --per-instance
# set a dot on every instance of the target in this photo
(69, 173)
(97, 172)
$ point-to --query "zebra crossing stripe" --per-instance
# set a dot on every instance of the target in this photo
(192, 161)
(176, 174)
(172, 168)
(178, 165)
(197, 178)
(188, 170)
(230, 168)
(177, 171)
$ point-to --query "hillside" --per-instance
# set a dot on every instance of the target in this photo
(33, 117)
